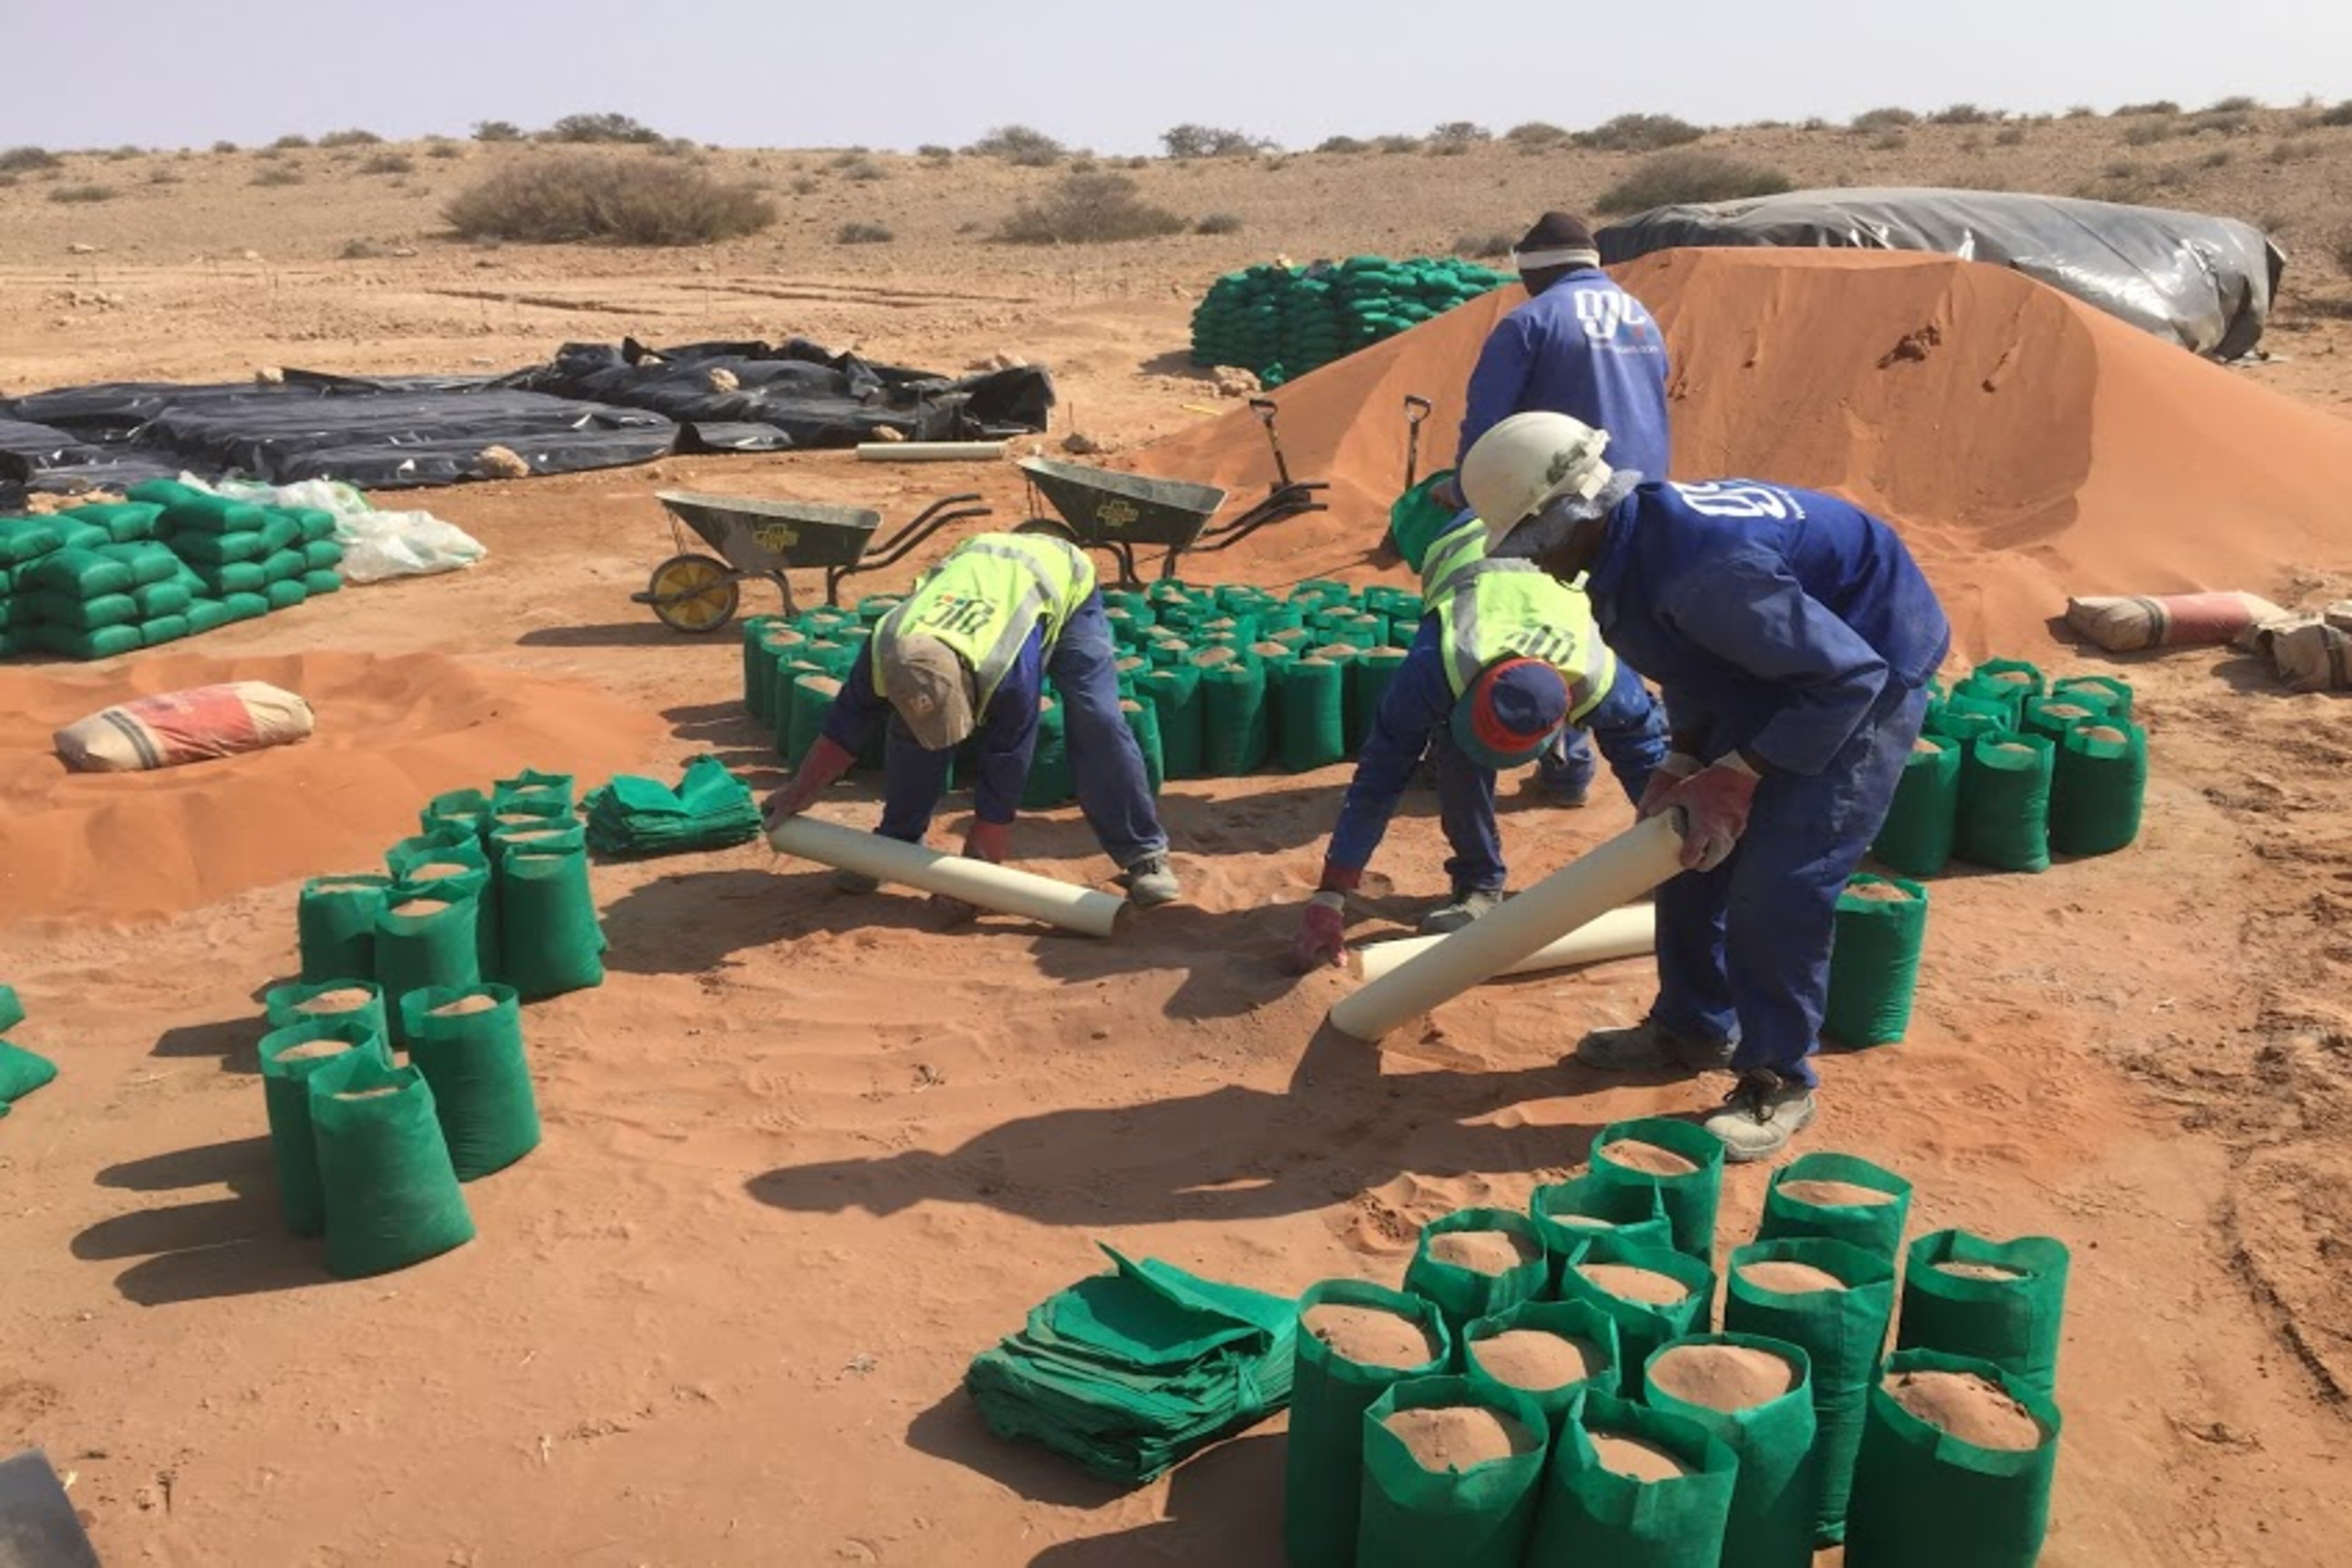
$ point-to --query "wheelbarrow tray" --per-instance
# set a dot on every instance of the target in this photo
(755, 535)
(1108, 508)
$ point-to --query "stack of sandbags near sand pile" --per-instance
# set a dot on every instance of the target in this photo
(249, 559)
(711, 808)
(1282, 321)
(21, 1071)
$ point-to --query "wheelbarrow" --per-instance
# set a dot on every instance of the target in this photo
(697, 592)
(1100, 509)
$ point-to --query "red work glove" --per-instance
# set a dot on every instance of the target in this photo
(823, 765)
(1664, 779)
(1322, 938)
(1715, 803)
(988, 841)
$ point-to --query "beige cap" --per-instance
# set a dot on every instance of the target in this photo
(931, 689)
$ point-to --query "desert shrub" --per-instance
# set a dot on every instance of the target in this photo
(353, 137)
(604, 128)
(1219, 223)
(2339, 115)
(1483, 246)
(1088, 209)
(1536, 134)
(865, 170)
(1664, 179)
(2293, 149)
(863, 233)
(1189, 140)
(276, 175)
(2148, 133)
(225, 146)
(2009, 135)
(2081, 111)
(124, 153)
(292, 141)
(1022, 144)
(563, 200)
(1889, 141)
(163, 176)
(1888, 119)
(1457, 136)
(2154, 106)
(83, 193)
(497, 130)
(1138, 162)
(363, 251)
(1083, 165)
(389, 163)
(2225, 123)
(25, 160)
(2218, 157)
(2120, 169)
(2340, 250)
(1962, 114)
(1342, 145)
(2239, 103)
(1972, 142)
(932, 152)
(807, 185)
(1639, 133)
(1393, 143)
(675, 147)
(442, 147)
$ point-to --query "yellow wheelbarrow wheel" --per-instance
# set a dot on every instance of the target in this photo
(694, 594)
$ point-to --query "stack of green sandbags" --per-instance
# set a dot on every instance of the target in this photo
(229, 547)
(711, 808)
(21, 1071)
(1128, 1372)
(23, 541)
(1282, 321)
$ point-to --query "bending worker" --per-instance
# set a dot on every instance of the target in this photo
(1793, 636)
(965, 656)
(1504, 658)
(1583, 346)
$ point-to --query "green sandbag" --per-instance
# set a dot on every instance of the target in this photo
(1233, 733)
(106, 642)
(63, 610)
(532, 790)
(2098, 784)
(323, 555)
(1174, 693)
(74, 575)
(551, 937)
(289, 1057)
(473, 1056)
(1594, 1518)
(1579, 1321)
(1051, 781)
(2118, 693)
(341, 1001)
(1844, 1332)
(1410, 1517)
(759, 664)
(463, 811)
(391, 1196)
(1690, 1199)
(1314, 703)
(1323, 1475)
(205, 515)
(207, 616)
(1962, 721)
(472, 879)
(201, 550)
(1924, 1499)
(1778, 1485)
(2027, 677)
(1793, 1211)
(322, 581)
(245, 606)
(2004, 816)
(336, 920)
(1641, 1327)
(12, 1011)
(1464, 1294)
(286, 594)
(1632, 1213)
(418, 947)
(22, 1072)
(452, 841)
(543, 834)
(148, 563)
(162, 629)
(2051, 717)
(1874, 961)
(123, 521)
(1143, 723)
(1916, 837)
(26, 539)
(156, 599)
(2013, 1321)
(808, 704)
(1369, 681)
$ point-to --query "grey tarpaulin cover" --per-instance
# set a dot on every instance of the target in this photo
(2204, 282)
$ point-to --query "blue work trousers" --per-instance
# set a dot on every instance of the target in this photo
(1631, 731)
(1114, 793)
(1744, 950)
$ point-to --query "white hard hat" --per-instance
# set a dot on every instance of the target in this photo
(1530, 459)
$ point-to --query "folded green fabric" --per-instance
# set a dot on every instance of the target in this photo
(12, 1012)
(1128, 1374)
(21, 1072)
(711, 808)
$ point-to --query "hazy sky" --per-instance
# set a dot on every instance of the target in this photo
(1113, 75)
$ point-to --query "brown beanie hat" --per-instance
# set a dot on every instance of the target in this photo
(1558, 239)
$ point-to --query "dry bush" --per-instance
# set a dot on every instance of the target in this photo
(1668, 179)
(1639, 133)
(1022, 144)
(1889, 119)
(807, 185)
(276, 175)
(602, 128)
(162, 177)
(225, 146)
(2294, 150)
(623, 201)
(497, 130)
(2221, 122)
(2339, 115)
(124, 153)
(863, 170)
(363, 251)
(932, 152)
(1889, 141)
(1393, 143)
(1484, 247)
(353, 138)
(2164, 106)
(83, 193)
(292, 141)
(2340, 250)
(2241, 103)
(1190, 140)
(1536, 134)
(863, 233)
(442, 147)
(1088, 209)
(2010, 136)
(24, 160)
(2148, 133)
(1219, 223)
(1456, 137)
(1963, 114)
(1342, 145)
(2217, 158)
(389, 163)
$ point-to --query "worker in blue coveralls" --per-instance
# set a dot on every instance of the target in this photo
(1581, 346)
(1792, 636)
(1504, 658)
(964, 656)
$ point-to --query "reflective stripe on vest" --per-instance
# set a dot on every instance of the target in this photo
(984, 599)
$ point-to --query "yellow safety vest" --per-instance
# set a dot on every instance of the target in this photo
(986, 597)
(1488, 610)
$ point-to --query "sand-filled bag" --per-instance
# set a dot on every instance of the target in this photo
(392, 1198)
(1142, 721)
(2174, 620)
(1476, 1262)
(454, 812)
(1369, 679)
(1915, 839)
(2112, 693)
(1629, 1486)
(2004, 817)
(1880, 927)
(1356, 1341)
(1053, 779)
(1174, 692)
(1956, 1468)
(335, 919)
(1681, 1159)
(289, 1057)
(468, 1044)
(551, 937)
(2097, 786)
(1235, 732)
(421, 941)
(1754, 1393)
(326, 1001)
(1453, 1468)
(1833, 1302)
(1569, 1214)
(1653, 1294)
(1313, 701)
(180, 727)
(2001, 1301)
(1552, 1351)
(1838, 1198)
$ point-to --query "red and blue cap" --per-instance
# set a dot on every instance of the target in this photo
(1510, 714)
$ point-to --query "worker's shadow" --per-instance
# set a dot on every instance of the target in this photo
(1340, 1128)
(207, 1247)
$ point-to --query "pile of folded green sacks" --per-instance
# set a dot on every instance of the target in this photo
(1216, 681)
(1553, 1387)
(21, 1071)
(487, 907)
(1280, 321)
(91, 581)
(708, 808)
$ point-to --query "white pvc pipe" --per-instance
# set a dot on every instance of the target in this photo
(976, 882)
(1614, 873)
(928, 451)
(1621, 934)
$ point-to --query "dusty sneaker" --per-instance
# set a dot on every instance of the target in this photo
(1650, 1046)
(1460, 910)
(1151, 881)
(1760, 1114)
(845, 881)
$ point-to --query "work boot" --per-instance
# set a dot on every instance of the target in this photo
(1760, 1114)
(1151, 882)
(1466, 905)
(846, 881)
(1650, 1046)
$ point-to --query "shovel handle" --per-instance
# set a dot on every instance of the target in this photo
(1416, 408)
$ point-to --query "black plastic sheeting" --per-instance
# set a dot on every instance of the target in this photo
(2205, 283)
(591, 406)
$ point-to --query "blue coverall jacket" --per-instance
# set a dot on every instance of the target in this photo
(1585, 348)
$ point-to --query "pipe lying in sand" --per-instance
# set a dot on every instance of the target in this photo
(929, 451)
(1614, 873)
(1621, 934)
(976, 882)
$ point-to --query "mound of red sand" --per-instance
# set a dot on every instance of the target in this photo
(2029, 446)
